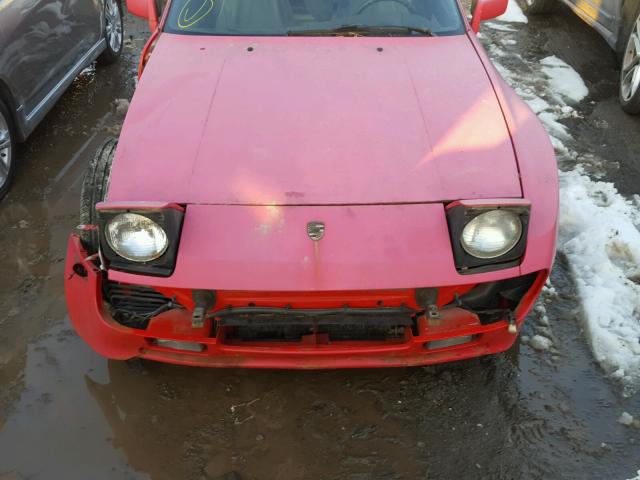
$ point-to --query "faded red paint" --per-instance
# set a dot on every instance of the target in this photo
(330, 118)
(95, 325)
(254, 145)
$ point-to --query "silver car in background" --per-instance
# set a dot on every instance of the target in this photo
(618, 21)
(44, 45)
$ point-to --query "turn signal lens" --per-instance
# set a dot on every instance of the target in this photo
(176, 345)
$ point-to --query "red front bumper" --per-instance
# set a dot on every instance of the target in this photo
(93, 322)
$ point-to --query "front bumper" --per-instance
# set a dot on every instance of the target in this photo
(422, 345)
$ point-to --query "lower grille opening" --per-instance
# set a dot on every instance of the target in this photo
(292, 325)
(134, 305)
(267, 333)
(366, 332)
(335, 333)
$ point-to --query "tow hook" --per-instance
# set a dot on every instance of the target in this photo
(433, 312)
(204, 300)
(513, 328)
(428, 298)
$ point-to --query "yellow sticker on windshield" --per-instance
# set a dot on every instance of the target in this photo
(188, 17)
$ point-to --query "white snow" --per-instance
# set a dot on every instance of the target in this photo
(555, 128)
(537, 104)
(540, 343)
(599, 228)
(563, 79)
(600, 237)
(626, 419)
(513, 14)
(498, 26)
(637, 477)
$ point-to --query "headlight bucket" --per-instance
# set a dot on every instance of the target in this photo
(168, 217)
(471, 214)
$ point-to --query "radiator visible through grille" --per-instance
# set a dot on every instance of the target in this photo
(338, 324)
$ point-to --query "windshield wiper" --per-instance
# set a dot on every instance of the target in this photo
(362, 30)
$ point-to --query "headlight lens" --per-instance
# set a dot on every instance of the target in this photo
(136, 237)
(492, 234)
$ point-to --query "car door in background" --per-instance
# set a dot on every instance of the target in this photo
(602, 12)
(86, 26)
(35, 55)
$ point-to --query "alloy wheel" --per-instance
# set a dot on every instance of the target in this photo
(5, 150)
(630, 81)
(113, 25)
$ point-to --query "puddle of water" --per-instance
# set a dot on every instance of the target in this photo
(57, 430)
(521, 415)
(89, 418)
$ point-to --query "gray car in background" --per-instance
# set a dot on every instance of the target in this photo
(44, 45)
(618, 21)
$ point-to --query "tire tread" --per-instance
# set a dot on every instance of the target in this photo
(94, 190)
(12, 135)
(632, 106)
(109, 57)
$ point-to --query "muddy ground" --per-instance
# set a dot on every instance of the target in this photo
(66, 413)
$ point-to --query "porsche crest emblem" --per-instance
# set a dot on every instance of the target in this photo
(315, 230)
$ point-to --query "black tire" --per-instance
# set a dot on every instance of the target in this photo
(113, 24)
(540, 7)
(7, 153)
(630, 56)
(94, 189)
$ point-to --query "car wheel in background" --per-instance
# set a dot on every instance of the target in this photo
(7, 150)
(630, 72)
(94, 190)
(537, 7)
(113, 32)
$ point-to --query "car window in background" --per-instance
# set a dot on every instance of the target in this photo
(277, 17)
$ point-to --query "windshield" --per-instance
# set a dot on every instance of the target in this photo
(314, 17)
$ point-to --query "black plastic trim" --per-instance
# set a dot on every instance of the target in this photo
(391, 316)
(494, 301)
(170, 219)
(459, 216)
(134, 305)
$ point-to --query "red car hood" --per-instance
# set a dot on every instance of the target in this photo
(314, 121)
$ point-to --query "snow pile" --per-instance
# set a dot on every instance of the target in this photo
(626, 419)
(637, 477)
(513, 14)
(499, 26)
(599, 235)
(563, 79)
(540, 343)
(599, 228)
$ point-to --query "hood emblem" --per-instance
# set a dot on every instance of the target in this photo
(315, 230)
